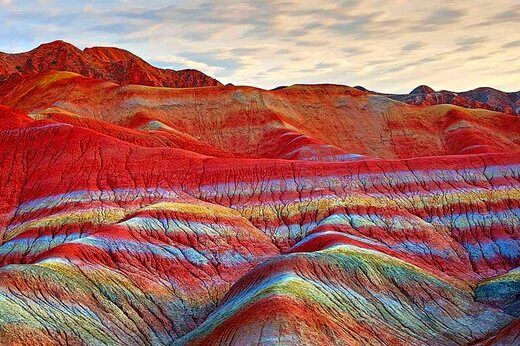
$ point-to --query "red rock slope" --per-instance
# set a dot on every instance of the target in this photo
(304, 122)
(485, 98)
(108, 63)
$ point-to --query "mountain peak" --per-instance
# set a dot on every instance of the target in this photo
(422, 89)
(108, 63)
(57, 43)
(107, 54)
(52, 47)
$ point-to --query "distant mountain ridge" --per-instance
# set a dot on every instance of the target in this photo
(107, 63)
(122, 67)
(484, 97)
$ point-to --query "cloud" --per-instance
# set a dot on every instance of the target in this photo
(477, 57)
(412, 46)
(438, 19)
(512, 44)
(312, 44)
(465, 44)
(171, 61)
(366, 25)
(304, 31)
(444, 16)
(352, 51)
(322, 66)
(510, 16)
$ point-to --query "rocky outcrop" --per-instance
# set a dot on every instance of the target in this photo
(107, 63)
(422, 90)
(483, 98)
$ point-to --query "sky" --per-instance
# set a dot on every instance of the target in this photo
(384, 45)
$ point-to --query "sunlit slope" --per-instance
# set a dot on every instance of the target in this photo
(318, 123)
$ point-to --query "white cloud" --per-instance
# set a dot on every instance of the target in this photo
(178, 61)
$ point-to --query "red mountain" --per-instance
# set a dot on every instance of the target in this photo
(310, 214)
(107, 63)
(485, 98)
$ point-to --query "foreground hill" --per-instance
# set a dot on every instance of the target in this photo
(315, 214)
(108, 63)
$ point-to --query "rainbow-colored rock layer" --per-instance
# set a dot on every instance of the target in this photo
(127, 230)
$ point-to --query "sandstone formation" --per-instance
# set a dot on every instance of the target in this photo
(310, 214)
(108, 63)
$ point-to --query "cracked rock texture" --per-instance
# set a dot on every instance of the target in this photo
(312, 214)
